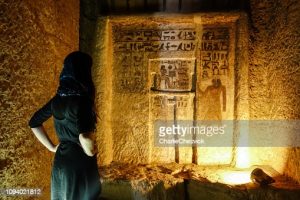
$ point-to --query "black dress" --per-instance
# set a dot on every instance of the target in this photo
(74, 174)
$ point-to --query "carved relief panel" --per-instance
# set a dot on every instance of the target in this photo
(215, 78)
(133, 48)
(184, 73)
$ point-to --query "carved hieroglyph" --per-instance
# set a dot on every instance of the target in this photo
(180, 72)
(214, 52)
(171, 74)
(132, 49)
(168, 77)
(216, 84)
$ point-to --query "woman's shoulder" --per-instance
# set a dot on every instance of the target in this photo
(70, 101)
(70, 106)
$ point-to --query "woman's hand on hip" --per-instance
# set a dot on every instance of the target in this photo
(54, 149)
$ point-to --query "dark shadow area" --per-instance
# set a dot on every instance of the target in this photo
(114, 7)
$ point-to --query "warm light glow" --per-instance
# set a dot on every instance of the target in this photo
(235, 177)
(242, 160)
(242, 154)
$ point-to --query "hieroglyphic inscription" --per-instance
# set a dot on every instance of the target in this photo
(132, 72)
(130, 49)
(162, 101)
(155, 40)
(214, 52)
(171, 74)
(155, 46)
(154, 35)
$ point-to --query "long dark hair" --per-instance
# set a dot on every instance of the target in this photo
(76, 78)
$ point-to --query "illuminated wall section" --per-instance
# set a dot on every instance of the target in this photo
(133, 57)
(35, 38)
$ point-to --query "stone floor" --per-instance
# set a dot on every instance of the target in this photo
(188, 182)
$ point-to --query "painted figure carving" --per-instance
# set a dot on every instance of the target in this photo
(212, 100)
(164, 81)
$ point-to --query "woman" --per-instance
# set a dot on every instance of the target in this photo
(74, 172)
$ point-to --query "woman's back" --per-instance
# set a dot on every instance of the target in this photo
(72, 115)
(75, 171)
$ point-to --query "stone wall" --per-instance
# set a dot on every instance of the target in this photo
(275, 72)
(35, 38)
(273, 75)
(126, 62)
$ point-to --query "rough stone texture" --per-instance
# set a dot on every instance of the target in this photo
(103, 82)
(35, 36)
(199, 190)
(274, 74)
(273, 78)
(129, 112)
(139, 189)
(274, 63)
(126, 105)
(176, 182)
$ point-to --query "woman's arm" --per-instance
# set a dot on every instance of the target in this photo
(86, 126)
(36, 125)
(87, 142)
(42, 136)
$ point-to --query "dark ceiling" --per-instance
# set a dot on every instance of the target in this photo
(185, 6)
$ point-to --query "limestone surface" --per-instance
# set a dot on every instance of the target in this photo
(177, 181)
(35, 36)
